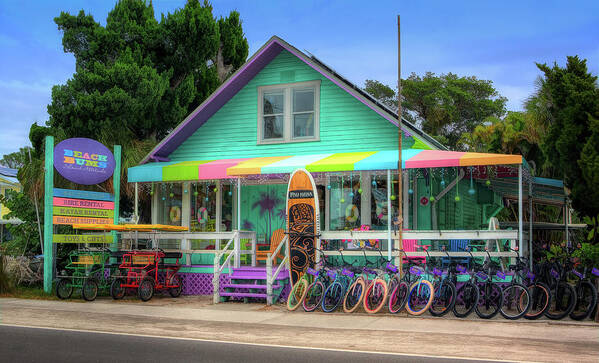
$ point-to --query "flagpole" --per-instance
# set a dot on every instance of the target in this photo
(399, 220)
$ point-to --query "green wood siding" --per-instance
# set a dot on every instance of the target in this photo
(345, 123)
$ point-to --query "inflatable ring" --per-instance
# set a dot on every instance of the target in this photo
(351, 213)
(175, 214)
(202, 215)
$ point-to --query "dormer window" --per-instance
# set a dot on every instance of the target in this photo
(288, 112)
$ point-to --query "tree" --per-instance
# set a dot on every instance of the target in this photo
(514, 134)
(445, 106)
(571, 144)
(16, 159)
(382, 92)
(136, 77)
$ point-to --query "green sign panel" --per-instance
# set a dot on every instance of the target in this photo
(82, 238)
(82, 212)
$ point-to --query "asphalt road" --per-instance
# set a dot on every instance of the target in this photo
(24, 344)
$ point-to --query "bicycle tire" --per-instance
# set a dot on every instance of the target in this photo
(145, 290)
(445, 300)
(490, 301)
(398, 297)
(467, 297)
(64, 288)
(297, 294)
(116, 290)
(515, 296)
(540, 296)
(333, 296)
(354, 295)
(426, 296)
(586, 299)
(175, 291)
(563, 301)
(89, 290)
(313, 297)
(375, 296)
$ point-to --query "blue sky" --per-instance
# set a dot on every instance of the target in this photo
(499, 41)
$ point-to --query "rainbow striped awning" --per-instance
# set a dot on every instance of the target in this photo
(352, 161)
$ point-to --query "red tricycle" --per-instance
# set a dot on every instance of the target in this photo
(143, 270)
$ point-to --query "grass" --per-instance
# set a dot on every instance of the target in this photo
(35, 293)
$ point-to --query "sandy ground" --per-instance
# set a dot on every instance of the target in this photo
(198, 318)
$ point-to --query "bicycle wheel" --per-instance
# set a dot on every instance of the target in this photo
(516, 302)
(375, 296)
(444, 299)
(420, 297)
(89, 291)
(145, 291)
(313, 296)
(116, 290)
(540, 298)
(333, 296)
(297, 294)
(354, 295)
(563, 300)
(64, 288)
(398, 297)
(586, 295)
(466, 300)
(176, 291)
(489, 303)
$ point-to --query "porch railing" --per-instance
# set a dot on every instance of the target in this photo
(218, 268)
(185, 239)
(270, 277)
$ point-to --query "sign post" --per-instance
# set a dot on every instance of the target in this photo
(86, 162)
(48, 225)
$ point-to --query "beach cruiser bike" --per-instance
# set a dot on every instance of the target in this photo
(335, 292)
(321, 280)
(491, 294)
(421, 292)
(360, 281)
(586, 292)
(444, 289)
(516, 296)
(398, 295)
(563, 295)
(387, 277)
(468, 294)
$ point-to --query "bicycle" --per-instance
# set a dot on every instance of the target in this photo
(468, 294)
(420, 294)
(444, 290)
(516, 297)
(399, 294)
(491, 294)
(563, 294)
(300, 289)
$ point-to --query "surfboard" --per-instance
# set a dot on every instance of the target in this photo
(303, 223)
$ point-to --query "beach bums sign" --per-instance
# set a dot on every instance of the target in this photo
(83, 161)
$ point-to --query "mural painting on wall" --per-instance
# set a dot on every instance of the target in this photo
(266, 212)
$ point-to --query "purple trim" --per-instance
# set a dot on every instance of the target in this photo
(235, 83)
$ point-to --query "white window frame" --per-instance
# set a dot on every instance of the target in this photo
(287, 89)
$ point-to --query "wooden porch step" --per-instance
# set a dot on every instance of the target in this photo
(243, 294)
(254, 276)
(250, 286)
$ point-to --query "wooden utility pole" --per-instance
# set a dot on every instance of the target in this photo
(399, 133)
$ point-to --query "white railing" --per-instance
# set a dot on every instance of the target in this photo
(218, 268)
(185, 239)
(270, 277)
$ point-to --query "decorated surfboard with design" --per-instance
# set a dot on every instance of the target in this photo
(303, 225)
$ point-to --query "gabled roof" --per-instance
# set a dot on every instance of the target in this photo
(246, 73)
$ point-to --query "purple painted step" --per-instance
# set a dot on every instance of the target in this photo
(243, 294)
(250, 286)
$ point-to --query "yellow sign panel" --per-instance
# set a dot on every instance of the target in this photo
(82, 238)
(80, 220)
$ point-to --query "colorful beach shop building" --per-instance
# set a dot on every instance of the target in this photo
(224, 170)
